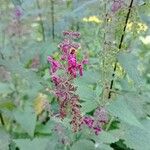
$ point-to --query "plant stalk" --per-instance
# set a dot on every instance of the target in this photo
(2, 119)
(52, 19)
(120, 46)
(41, 21)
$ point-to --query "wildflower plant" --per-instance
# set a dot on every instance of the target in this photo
(103, 104)
(63, 72)
(96, 122)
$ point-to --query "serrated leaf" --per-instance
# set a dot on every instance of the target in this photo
(89, 106)
(120, 109)
(130, 64)
(146, 124)
(136, 104)
(85, 92)
(43, 129)
(84, 145)
(103, 147)
(4, 140)
(106, 137)
(27, 144)
(136, 138)
(31, 77)
(26, 118)
(5, 88)
(91, 76)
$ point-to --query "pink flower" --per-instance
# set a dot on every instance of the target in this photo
(64, 90)
(97, 130)
(100, 115)
(65, 48)
(55, 65)
(66, 33)
(72, 62)
(80, 67)
(117, 4)
(72, 71)
(85, 61)
(75, 34)
(63, 57)
(56, 79)
(72, 65)
(76, 45)
(92, 124)
(18, 12)
(71, 34)
(88, 121)
(62, 95)
(76, 113)
(96, 123)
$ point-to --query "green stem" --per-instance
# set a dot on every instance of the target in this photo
(3, 44)
(52, 19)
(41, 21)
(104, 48)
(109, 124)
(120, 46)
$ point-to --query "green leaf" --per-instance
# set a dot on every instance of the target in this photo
(4, 140)
(106, 137)
(83, 145)
(89, 106)
(27, 144)
(7, 104)
(146, 124)
(45, 129)
(130, 64)
(47, 49)
(91, 76)
(103, 147)
(17, 2)
(26, 118)
(33, 81)
(5, 88)
(136, 104)
(120, 109)
(136, 138)
(85, 90)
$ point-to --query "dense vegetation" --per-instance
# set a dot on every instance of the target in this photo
(74, 74)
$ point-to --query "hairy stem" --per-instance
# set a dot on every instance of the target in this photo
(109, 124)
(3, 44)
(52, 19)
(120, 46)
(41, 21)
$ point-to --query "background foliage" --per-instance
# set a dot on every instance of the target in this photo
(25, 82)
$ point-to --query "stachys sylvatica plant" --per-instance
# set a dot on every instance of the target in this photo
(63, 72)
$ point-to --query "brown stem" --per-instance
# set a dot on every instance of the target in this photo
(120, 46)
(2, 119)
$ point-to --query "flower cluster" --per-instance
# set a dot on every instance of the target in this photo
(117, 4)
(96, 123)
(70, 68)
(93, 19)
(18, 12)
(60, 131)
